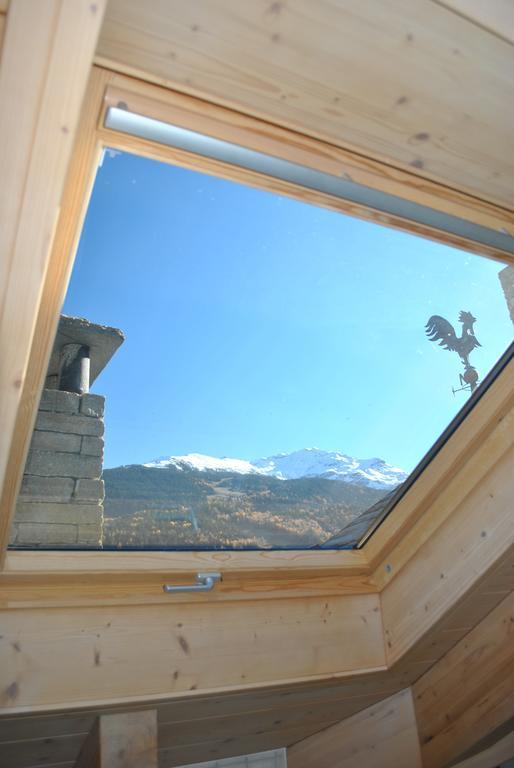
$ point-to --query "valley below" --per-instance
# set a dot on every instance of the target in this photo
(187, 508)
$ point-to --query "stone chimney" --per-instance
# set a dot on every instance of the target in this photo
(60, 504)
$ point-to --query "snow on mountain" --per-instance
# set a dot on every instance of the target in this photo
(313, 462)
(308, 462)
(204, 463)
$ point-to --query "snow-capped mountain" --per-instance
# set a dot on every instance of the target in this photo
(202, 463)
(308, 462)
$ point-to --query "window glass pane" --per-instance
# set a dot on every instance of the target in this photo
(280, 368)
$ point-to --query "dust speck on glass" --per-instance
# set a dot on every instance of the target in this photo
(235, 369)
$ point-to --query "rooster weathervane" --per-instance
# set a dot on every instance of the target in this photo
(439, 329)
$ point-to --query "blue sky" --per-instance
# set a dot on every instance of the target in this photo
(256, 324)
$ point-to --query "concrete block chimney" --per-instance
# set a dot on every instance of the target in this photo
(60, 504)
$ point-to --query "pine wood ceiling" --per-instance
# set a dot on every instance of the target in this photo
(409, 81)
(430, 91)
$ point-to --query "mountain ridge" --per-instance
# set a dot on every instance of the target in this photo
(304, 463)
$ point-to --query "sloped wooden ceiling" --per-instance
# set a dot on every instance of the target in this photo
(430, 91)
(409, 81)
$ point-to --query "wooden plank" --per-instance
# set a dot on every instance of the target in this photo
(62, 592)
(477, 603)
(285, 695)
(196, 707)
(33, 727)
(415, 102)
(213, 732)
(383, 736)
(497, 16)
(470, 692)
(60, 579)
(465, 547)
(486, 594)
(34, 752)
(116, 654)
(246, 719)
(46, 55)
(190, 732)
(313, 563)
(465, 614)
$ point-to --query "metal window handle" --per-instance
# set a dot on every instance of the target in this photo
(204, 583)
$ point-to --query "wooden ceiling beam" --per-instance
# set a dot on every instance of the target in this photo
(126, 740)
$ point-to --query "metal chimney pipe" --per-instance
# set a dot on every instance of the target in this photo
(74, 368)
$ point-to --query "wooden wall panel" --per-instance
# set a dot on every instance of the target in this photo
(341, 694)
(383, 736)
(408, 81)
(196, 727)
(66, 656)
(469, 693)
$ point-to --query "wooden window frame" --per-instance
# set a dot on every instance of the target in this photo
(284, 572)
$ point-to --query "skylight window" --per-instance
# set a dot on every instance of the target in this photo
(272, 370)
